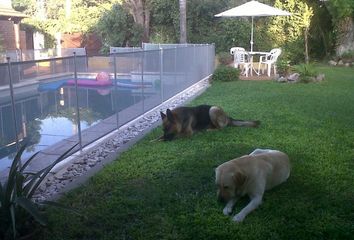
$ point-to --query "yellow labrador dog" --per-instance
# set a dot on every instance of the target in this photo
(250, 175)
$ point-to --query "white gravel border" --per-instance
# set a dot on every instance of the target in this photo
(76, 169)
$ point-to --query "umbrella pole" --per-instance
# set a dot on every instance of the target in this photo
(252, 36)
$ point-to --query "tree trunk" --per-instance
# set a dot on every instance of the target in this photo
(183, 21)
(147, 25)
(306, 33)
(325, 42)
(345, 38)
(140, 11)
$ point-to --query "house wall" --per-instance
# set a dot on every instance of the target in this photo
(8, 35)
(91, 42)
(29, 39)
(23, 43)
(7, 32)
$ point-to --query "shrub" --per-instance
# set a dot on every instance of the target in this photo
(307, 72)
(129, 34)
(283, 67)
(225, 58)
(348, 56)
(18, 212)
(226, 74)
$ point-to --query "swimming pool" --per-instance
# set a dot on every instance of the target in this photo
(47, 114)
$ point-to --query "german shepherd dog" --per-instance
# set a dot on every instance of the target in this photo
(184, 121)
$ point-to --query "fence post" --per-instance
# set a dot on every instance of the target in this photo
(14, 118)
(77, 104)
(207, 57)
(210, 59)
(175, 72)
(52, 62)
(86, 60)
(194, 67)
(161, 73)
(19, 66)
(142, 80)
(115, 89)
(213, 59)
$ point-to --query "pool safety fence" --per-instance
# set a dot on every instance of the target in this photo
(37, 92)
(19, 55)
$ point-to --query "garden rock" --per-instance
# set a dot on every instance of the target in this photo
(342, 62)
(293, 77)
(282, 80)
(332, 63)
(319, 77)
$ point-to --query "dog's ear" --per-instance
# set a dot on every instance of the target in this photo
(170, 116)
(239, 179)
(162, 115)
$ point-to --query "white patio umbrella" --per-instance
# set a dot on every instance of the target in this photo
(253, 9)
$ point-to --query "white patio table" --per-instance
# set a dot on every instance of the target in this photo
(253, 53)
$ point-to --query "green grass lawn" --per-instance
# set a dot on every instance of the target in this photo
(166, 190)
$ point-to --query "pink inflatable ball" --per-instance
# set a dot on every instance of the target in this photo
(102, 76)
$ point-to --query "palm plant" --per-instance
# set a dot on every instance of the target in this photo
(307, 72)
(18, 212)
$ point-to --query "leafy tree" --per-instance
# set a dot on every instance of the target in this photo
(140, 10)
(52, 17)
(202, 26)
(321, 38)
(27, 6)
(88, 16)
(164, 21)
(117, 28)
(291, 32)
(159, 21)
(340, 9)
(342, 12)
(307, 14)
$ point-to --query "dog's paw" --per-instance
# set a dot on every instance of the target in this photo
(238, 218)
(227, 211)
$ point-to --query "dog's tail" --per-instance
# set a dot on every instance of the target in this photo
(244, 123)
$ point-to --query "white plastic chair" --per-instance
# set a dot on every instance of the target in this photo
(233, 49)
(232, 52)
(242, 58)
(269, 60)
